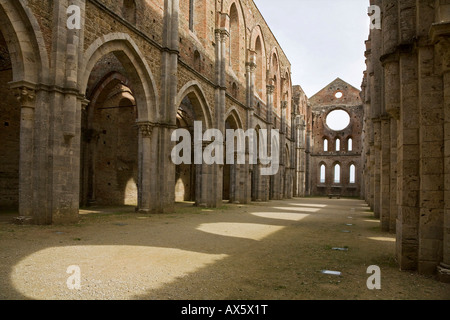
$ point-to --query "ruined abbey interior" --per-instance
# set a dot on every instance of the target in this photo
(87, 114)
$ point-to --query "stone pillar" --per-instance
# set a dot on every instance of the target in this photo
(385, 201)
(390, 62)
(247, 169)
(284, 168)
(146, 174)
(270, 90)
(393, 177)
(376, 105)
(408, 142)
(376, 149)
(268, 183)
(440, 34)
(431, 164)
(26, 95)
(444, 268)
(215, 172)
(164, 184)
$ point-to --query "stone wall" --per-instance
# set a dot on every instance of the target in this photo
(406, 99)
(331, 148)
(100, 104)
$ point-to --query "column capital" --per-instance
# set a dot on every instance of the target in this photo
(84, 104)
(222, 34)
(145, 128)
(270, 89)
(440, 35)
(25, 94)
(250, 67)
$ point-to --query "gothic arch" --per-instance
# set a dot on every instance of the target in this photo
(194, 91)
(25, 42)
(275, 77)
(141, 78)
(257, 45)
(234, 114)
(238, 38)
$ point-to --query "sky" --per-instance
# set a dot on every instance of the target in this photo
(323, 39)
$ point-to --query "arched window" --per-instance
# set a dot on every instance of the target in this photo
(350, 144)
(196, 17)
(275, 93)
(323, 170)
(191, 15)
(234, 38)
(129, 11)
(197, 61)
(338, 144)
(234, 90)
(352, 174)
(260, 69)
(325, 145)
(337, 173)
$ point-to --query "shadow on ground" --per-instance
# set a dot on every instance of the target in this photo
(263, 251)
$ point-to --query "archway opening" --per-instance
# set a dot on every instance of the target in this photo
(110, 164)
(9, 134)
(185, 174)
(229, 170)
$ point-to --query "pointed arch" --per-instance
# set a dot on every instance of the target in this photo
(322, 173)
(194, 91)
(26, 44)
(287, 161)
(337, 173)
(234, 114)
(275, 76)
(325, 144)
(352, 173)
(237, 38)
(258, 46)
(141, 78)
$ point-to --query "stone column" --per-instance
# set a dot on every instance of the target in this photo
(440, 34)
(26, 95)
(164, 183)
(385, 201)
(270, 90)
(390, 62)
(444, 268)
(145, 167)
(431, 160)
(215, 172)
(376, 149)
(393, 177)
(248, 168)
(408, 141)
(283, 172)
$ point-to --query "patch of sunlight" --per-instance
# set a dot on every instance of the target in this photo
(240, 230)
(281, 215)
(297, 209)
(308, 205)
(131, 193)
(106, 272)
(382, 239)
(376, 221)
